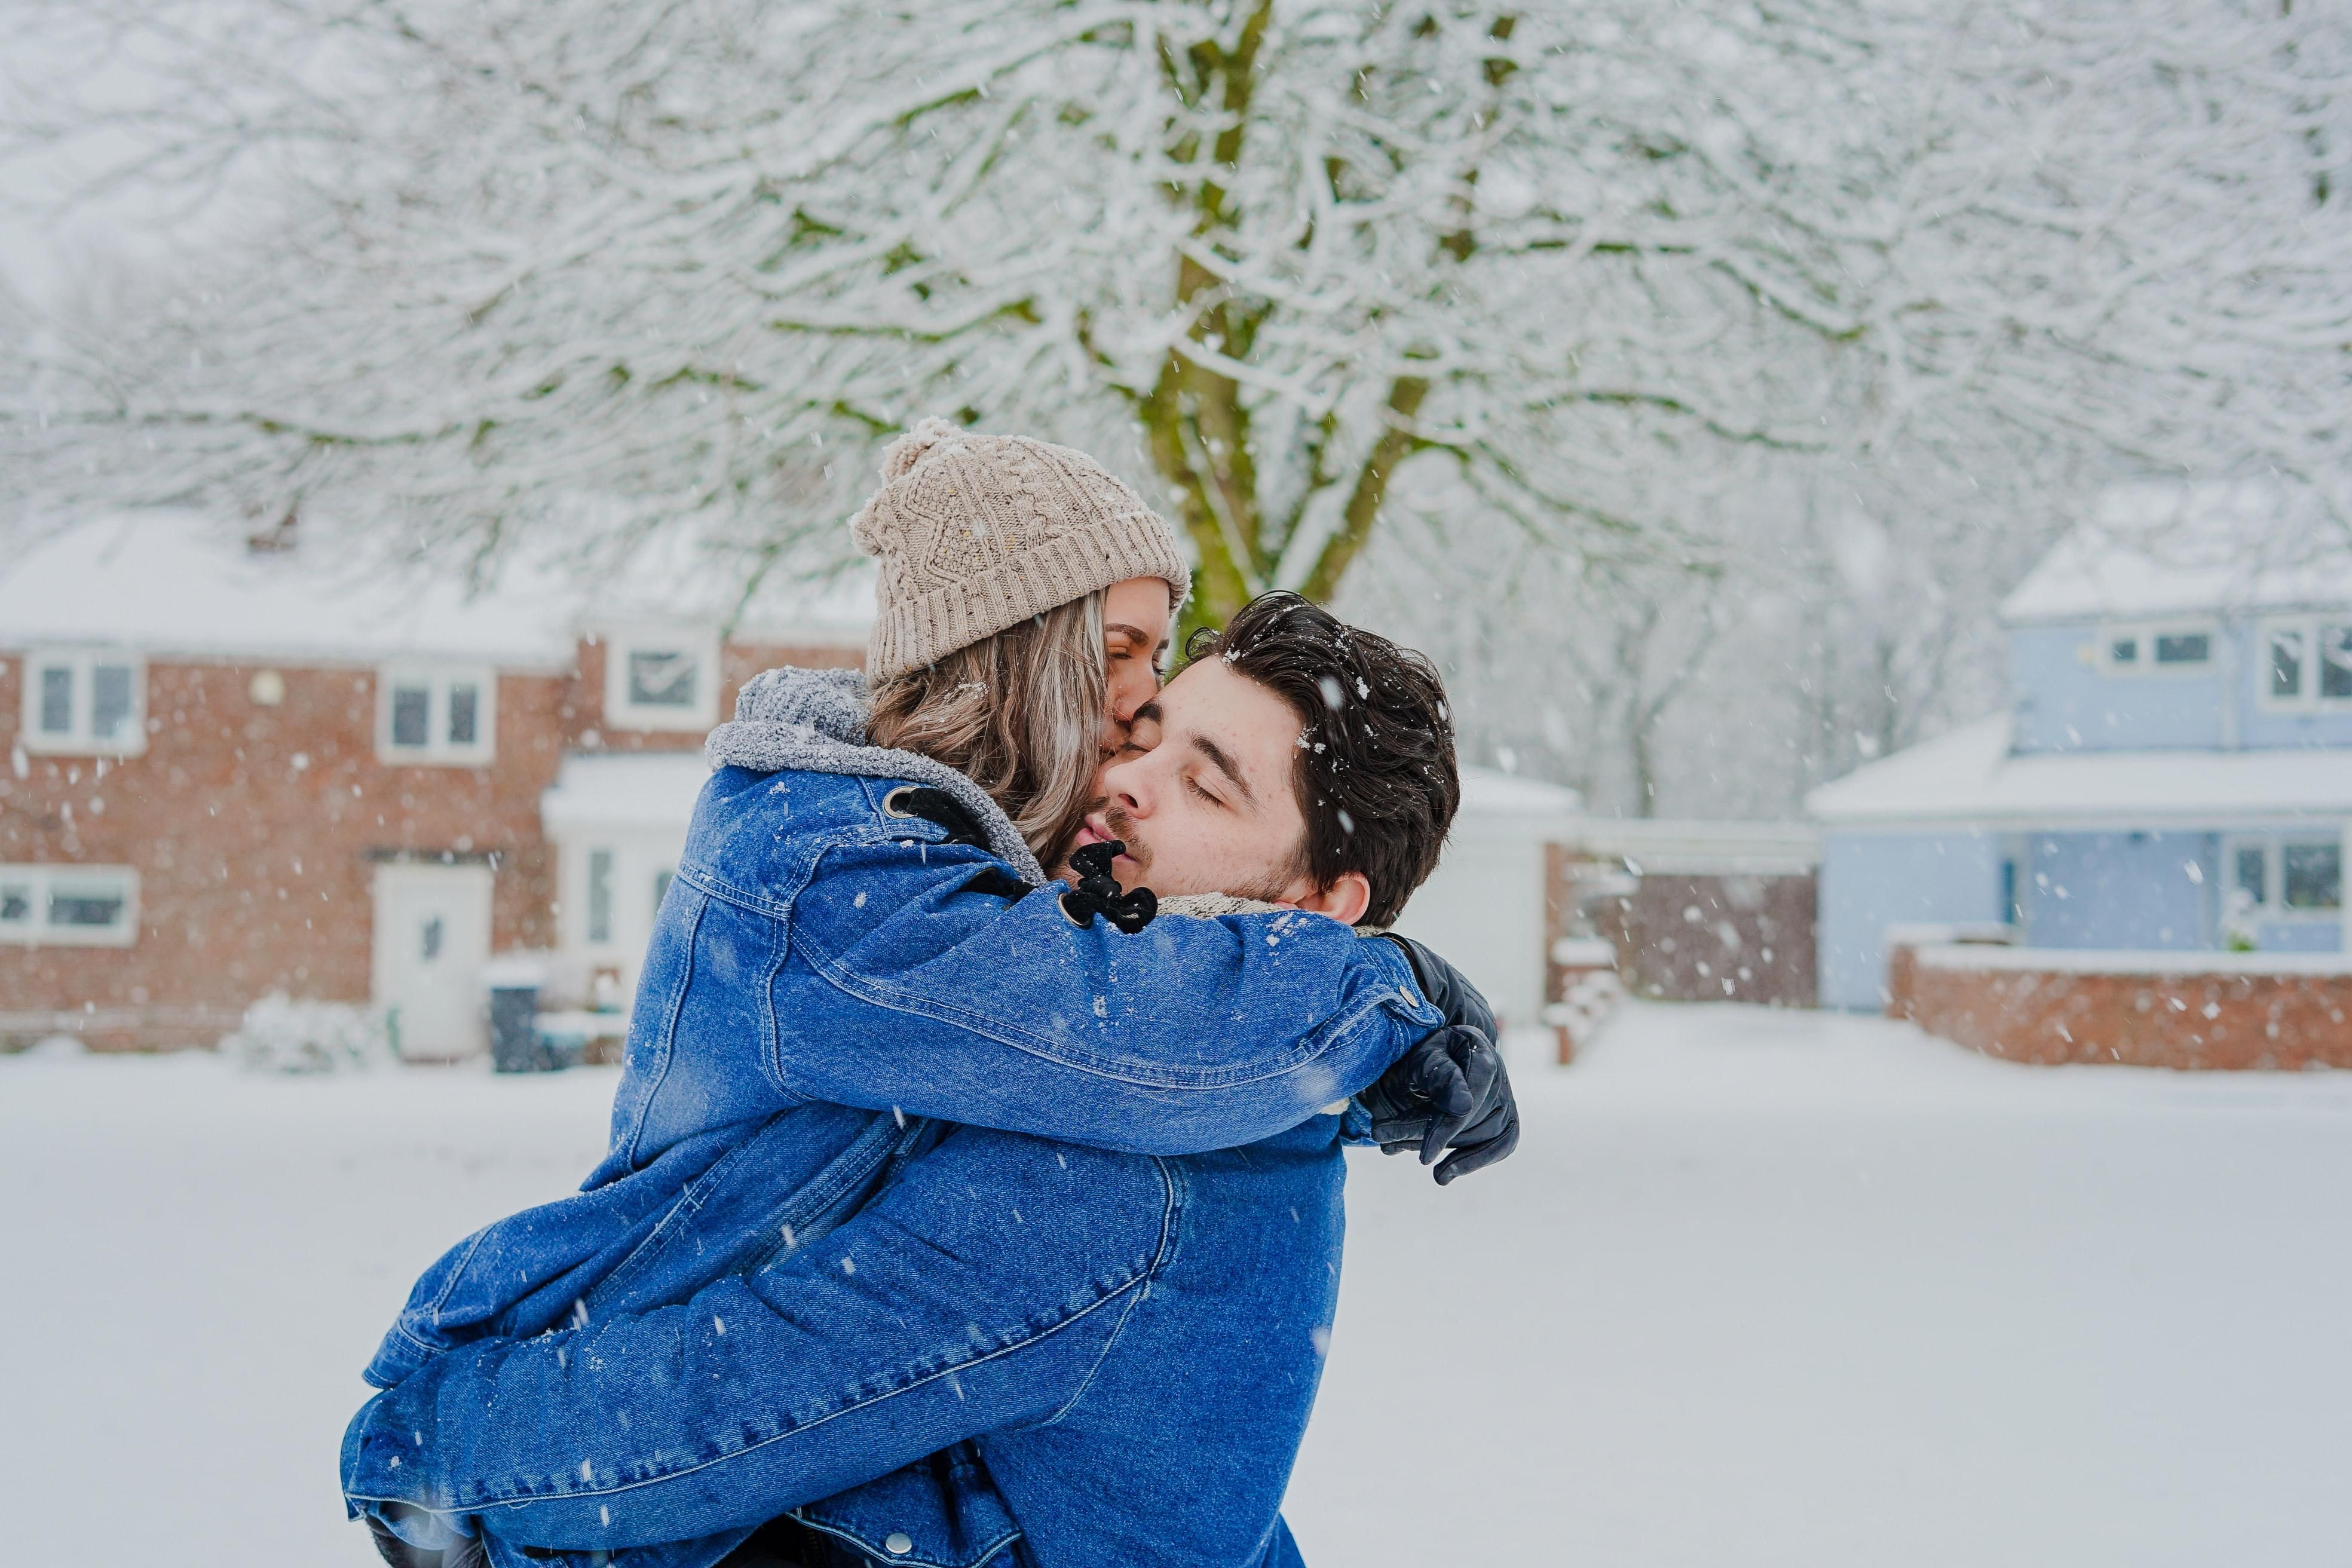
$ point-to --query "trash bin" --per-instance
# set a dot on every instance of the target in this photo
(514, 982)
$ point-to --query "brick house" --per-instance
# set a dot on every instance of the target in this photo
(225, 770)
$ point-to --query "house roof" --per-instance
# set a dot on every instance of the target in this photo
(1968, 777)
(625, 790)
(182, 582)
(2153, 550)
(1698, 847)
(1491, 795)
(658, 789)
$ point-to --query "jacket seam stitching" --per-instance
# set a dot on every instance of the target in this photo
(510, 1502)
(1331, 1036)
(668, 1039)
(473, 1245)
(1167, 1207)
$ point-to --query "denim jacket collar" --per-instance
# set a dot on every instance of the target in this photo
(814, 720)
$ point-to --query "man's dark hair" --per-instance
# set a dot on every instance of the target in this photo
(1376, 780)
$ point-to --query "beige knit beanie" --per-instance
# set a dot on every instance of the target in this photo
(976, 533)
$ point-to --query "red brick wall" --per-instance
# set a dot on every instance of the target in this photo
(1666, 951)
(2220, 1019)
(256, 831)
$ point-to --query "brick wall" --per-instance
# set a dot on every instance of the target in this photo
(257, 830)
(2240, 1012)
(1706, 938)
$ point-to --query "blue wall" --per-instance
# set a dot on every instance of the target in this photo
(2121, 889)
(1872, 881)
(2065, 704)
(2332, 727)
(2299, 936)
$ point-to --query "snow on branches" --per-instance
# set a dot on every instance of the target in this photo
(481, 270)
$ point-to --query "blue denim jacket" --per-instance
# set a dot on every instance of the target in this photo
(1133, 1341)
(818, 952)
(816, 949)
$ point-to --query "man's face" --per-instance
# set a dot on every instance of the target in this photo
(1204, 794)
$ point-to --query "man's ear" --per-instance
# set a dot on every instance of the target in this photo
(1345, 900)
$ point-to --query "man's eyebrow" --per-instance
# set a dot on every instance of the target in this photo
(1224, 765)
(1149, 710)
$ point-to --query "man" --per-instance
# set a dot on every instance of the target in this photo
(1107, 1358)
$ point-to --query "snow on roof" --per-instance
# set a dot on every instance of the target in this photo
(2156, 550)
(658, 789)
(625, 789)
(1970, 777)
(1697, 847)
(181, 583)
(1486, 793)
(2093, 961)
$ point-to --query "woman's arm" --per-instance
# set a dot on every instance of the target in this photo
(903, 985)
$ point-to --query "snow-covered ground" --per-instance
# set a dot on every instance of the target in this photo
(1760, 1289)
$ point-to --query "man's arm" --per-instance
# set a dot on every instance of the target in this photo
(978, 1293)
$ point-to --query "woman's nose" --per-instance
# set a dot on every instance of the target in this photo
(1131, 689)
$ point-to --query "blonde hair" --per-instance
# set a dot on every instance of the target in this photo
(1019, 712)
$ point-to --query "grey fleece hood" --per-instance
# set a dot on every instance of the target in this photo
(814, 720)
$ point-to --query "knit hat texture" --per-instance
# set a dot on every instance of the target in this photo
(976, 533)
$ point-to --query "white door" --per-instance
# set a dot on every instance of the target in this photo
(431, 937)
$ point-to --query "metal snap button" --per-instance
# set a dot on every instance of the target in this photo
(900, 1543)
(890, 801)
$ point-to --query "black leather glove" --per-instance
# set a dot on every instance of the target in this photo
(1451, 1090)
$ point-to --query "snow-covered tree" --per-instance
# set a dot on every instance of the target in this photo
(472, 269)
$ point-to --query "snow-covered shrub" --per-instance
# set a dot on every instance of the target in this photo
(1586, 1007)
(55, 1048)
(281, 1034)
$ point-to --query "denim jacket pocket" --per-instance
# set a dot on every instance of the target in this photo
(939, 1512)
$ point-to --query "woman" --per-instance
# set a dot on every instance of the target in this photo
(837, 945)
(1024, 603)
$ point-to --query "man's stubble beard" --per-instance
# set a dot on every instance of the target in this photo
(1265, 889)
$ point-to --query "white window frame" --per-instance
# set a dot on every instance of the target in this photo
(2273, 909)
(2308, 699)
(438, 679)
(623, 867)
(2144, 633)
(622, 713)
(41, 879)
(79, 741)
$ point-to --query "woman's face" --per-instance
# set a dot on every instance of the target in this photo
(1134, 649)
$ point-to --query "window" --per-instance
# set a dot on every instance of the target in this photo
(661, 680)
(2175, 648)
(432, 714)
(85, 702)
(2306, 663)
(68, 906)
(2287, 879)
(600, 895)
(2311, 876)
(2253, 877)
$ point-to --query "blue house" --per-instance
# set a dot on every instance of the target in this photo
(2174, 770)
